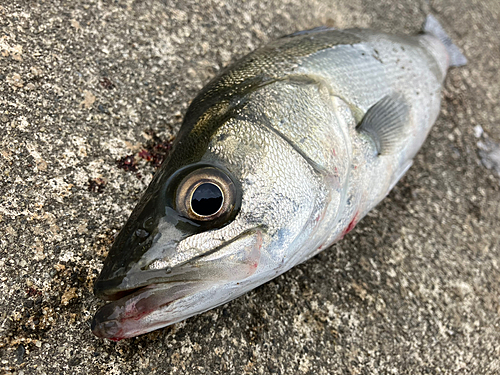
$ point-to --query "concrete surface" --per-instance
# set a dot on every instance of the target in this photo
(414, 289)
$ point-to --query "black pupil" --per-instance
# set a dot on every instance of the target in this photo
(206, 200)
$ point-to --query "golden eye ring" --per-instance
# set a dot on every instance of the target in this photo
(205, 194)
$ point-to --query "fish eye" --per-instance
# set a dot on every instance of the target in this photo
(207, 199)
(205, 194)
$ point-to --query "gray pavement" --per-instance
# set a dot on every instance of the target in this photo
(414, 289)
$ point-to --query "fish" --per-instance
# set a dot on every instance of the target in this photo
(277, 158)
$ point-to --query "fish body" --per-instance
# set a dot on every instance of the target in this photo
(277, 158)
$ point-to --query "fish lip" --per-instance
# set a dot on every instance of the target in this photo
(109, 289)
(118, 287)
(108, 329)
(111, 329)
(115, 294)
(128, 316)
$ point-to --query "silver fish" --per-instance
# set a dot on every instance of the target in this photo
(277, 158)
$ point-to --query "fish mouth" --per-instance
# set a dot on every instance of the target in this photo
(131, 312)
(116, 288)
(106, 321)
(115, 295)
(145, 300)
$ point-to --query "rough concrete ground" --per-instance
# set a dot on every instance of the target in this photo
(414, 289)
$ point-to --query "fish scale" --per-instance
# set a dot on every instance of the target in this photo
(299, 140)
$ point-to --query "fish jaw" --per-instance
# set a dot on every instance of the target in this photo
(184, 291)
(152, 307)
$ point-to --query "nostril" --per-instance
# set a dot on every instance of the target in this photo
(149, 224)
(141, 233)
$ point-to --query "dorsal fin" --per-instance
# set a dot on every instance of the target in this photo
(226, 94)
(387, 123)
(432, 26)
(274, 61)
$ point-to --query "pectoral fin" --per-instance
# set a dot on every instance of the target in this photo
(387, 123)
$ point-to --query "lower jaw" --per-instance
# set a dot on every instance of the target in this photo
(145, 310)
(189, 291)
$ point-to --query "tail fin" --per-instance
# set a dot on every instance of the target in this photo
(432, 26)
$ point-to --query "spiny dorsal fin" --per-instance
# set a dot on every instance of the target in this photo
(274, 61)
(386, 123)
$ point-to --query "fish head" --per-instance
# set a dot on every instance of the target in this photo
(224, 214)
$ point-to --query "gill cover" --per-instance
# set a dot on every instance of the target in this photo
(245, 189)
